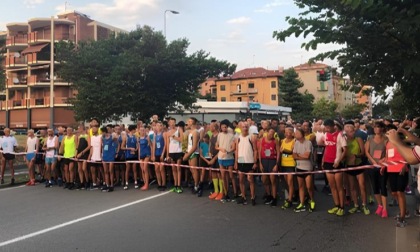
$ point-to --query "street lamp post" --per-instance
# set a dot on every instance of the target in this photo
(164, 19)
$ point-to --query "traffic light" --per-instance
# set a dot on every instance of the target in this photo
(324, 75)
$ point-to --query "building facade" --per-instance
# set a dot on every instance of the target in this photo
(36, 97)
(309, 75)
(250, 85)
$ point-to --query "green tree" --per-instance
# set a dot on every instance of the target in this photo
(380, 109)
(399, 109)
(291, 97)
(324, 109)
(137, 74)
(380, 40)
(352, 111)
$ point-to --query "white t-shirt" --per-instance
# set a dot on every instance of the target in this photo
(341, 142)
(31, 144)
(8, 144)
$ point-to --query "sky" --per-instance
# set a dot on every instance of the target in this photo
(239, 31)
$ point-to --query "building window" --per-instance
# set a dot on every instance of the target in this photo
(239, 88)
(250, 85)
(223, 99)
(222, 87)
(273, 97)
(239, 98)
(273, 84)
(251, 98)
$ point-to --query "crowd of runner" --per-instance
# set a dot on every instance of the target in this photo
(362, 161)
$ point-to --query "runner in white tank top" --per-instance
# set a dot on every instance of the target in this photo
(95, 141)
(50, 147)
(31, 144)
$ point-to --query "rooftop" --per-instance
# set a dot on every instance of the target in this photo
(249, 73)
(308, 66)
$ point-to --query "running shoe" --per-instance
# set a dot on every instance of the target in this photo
(311, 206)
(408, 190)
(401, 223)
(240, 201)
(104, 189)
(200, 192)
(228, 199)
(71, 186)
(384, 213)
(407, 215)
(286, 204)
(179, 190)
(340, 212)
(224, 199)
(245, 202)
(273, 203)
(253, 202)
(110, 189)
(268, 200)
(144, 188)
(371, 200)
(333, 210)
(365, 210)
(136, 186)
(379, 210)
(173, 189)
(354, 209)
(48, 185)
(28, 183)
(213, 195)
(417, 213)
(219, 197)
(126, 187)
(300, 208)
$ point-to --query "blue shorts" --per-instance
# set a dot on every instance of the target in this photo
(226, 162)
(30, 156)
(50, 160)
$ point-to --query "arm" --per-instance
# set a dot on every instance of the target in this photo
(367, 148)
(410, 138)
(61, 151)
(402, 148)
(236, 155)
(255, 150)
(361, 145)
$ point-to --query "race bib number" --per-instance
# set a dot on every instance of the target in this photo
(391, 153)
(267, 152)
(241, 160)
(285, 155)
(106, 147)
(158, 145)
(377, 154)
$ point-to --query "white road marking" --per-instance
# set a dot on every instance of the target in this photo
(11, 188)
(40, 232)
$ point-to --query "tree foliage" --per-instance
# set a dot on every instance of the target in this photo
(399, 109)
(324, 109)
(352, 111)
(291, 97)
(137, 74)
(380, 110)
(380, 40)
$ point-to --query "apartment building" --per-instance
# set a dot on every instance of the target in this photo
(36, 97)
(250, 85)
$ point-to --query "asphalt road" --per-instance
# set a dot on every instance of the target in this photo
(38, 218)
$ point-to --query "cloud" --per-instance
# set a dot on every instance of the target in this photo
(122, 13)
(233, 37)
(268, 8)
(239, 20)
(32, 3)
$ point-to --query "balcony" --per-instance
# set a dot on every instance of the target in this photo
(3, 105)
(244, 92)
(39, 102)
(61, 101)
(38, 37)
(17, 42)
(16, 82)
(38, 58)
(43, 80)
(16, 104)
(15, 61)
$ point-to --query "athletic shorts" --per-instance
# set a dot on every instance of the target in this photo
(67, 161)
(143, 157)
(398, 182)
(176, 156)
(245, 167)
(287, 169)
(194, 155)
(158, 159)
(268, 164)
(330, 166)
(120, 157)
(9, 156)
(354, 172)
(95, 163)
(133, 158)
(39, 158)
(226, 162)
(50, 160)
(30, 156)
(302, 175)
(84, 156)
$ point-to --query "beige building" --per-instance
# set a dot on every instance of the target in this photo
(208, 88)
(309, 75)
(250, 85)
(342, 97)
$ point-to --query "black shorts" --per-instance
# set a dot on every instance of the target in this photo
(95, 164)
(398, 182)
(158, 159)
(304, 175)
(67, 161)
(39, 158)
(245, 167)
(134, 158)
(8, 156)
(84, 156)
(176, 156)
(142, 158)
(354, 172)
(330, 166)
(287, 169)
(120, 157)
(268, 164)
